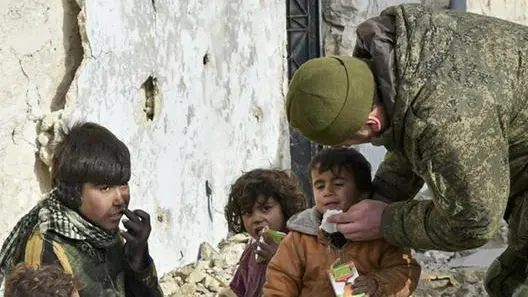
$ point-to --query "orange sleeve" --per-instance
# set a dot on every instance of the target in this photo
(284, 273)
(398, 274)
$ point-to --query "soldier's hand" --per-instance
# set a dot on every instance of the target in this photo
(137, 234)
(362, 221)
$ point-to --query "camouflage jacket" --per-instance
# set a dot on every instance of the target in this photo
(98, 272)
(455, 88)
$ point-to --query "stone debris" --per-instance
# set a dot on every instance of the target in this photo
(211, 274)
(452, 283)
(443, 273)
(50, 132)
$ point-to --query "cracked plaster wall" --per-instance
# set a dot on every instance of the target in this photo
(218, 72)
(512, 10)
(39, 52)
(220, 77)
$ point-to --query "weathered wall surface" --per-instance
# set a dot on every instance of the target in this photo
(39, 52)
(511, 10)
(195, 88)
(216, 96)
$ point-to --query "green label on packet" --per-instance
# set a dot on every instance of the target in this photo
(342, 277)
(276, 236)
(342, 272)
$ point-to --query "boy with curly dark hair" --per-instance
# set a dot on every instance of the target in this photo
(260, 200)
(46, 281)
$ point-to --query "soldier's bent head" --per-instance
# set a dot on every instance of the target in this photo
(329, 99)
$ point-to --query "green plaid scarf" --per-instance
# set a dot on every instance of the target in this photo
(50, 214)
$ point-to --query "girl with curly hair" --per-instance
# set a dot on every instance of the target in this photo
(260, 200)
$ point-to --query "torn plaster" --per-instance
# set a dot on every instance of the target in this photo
(214, 118)
(512, 10)
(40, 51)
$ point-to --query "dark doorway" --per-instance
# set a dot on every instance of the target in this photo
(304, 43)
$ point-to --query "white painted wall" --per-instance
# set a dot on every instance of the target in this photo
(511, 10)
(212, 121)
(38, 55)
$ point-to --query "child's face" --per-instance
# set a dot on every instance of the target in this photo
(103, 205)
(266, 212)
(334, 191)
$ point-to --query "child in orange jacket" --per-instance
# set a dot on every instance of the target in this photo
(340, 177)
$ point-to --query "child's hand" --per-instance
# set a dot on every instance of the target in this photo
(365, 284)
(268, 247)
(137, 234)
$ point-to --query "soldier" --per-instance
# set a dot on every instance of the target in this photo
(446, 93)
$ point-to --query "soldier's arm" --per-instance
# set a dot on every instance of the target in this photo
(464, 161)
(395, 180)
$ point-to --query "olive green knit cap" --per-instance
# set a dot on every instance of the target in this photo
(329, 99)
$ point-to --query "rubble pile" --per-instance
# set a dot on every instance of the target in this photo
(210, 275)
(452, 283)
(444, 274)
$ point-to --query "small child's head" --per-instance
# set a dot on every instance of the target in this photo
(91, 169)
(340, 177)
(47, 281)
(263, 197)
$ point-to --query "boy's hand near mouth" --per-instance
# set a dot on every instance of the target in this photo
(137, 234)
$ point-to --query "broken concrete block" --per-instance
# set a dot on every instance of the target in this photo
(196, 276)
(207, 252)
(203, 265)
(212, 284)
(169, 287)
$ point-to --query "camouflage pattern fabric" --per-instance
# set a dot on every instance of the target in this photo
(507, 275)
(460, 124)
(99, 272)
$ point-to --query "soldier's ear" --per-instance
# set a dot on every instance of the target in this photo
(376, 118)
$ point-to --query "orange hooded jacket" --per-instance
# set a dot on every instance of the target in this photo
(303, 257)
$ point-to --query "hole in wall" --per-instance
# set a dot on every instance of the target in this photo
(151, 91)
(205, 59)
(163, 217)
(258, 113)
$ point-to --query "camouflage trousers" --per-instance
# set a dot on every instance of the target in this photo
(507, 275)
